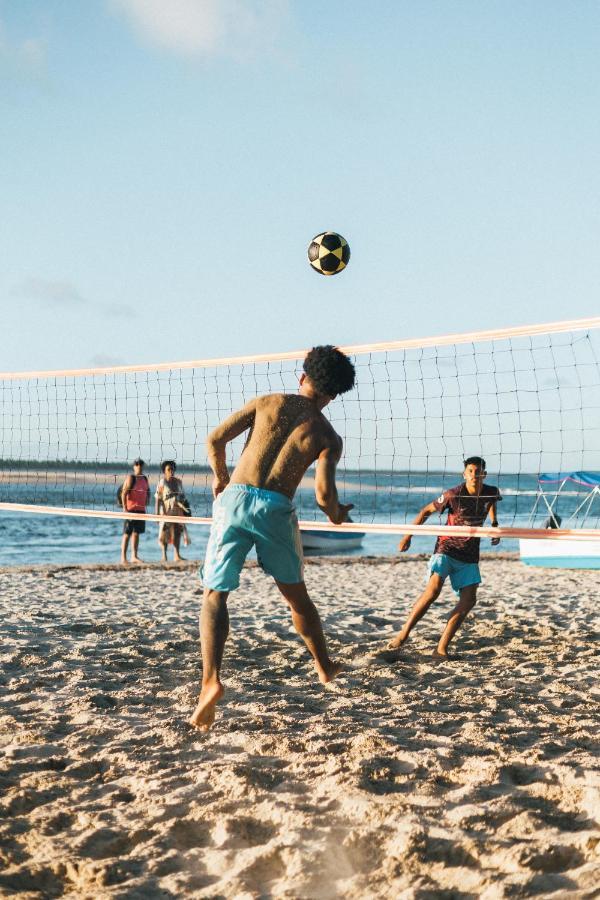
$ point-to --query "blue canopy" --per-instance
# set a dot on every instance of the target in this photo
(590, 479)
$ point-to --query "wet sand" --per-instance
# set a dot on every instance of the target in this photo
(475, 778)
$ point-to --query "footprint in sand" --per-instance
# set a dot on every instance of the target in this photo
(552, 858)
(107, 842)
(41, 881)
(60, 822)
(185, 834)
(243, 831)
(102, 701)
(23, 802)
(267, 867)
(449, 853)
(385, 775)
(522, 775)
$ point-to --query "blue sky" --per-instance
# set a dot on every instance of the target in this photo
(163, 167)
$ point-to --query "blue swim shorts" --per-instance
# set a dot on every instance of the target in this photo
(246, 516)
(462, 574)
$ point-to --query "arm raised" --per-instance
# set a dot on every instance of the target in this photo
(217, 441)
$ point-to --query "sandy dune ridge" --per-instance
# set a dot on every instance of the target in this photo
(407, 780)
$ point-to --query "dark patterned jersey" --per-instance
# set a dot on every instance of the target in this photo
(464, 509)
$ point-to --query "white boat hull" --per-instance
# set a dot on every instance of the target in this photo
(561, 554)
(331, 540)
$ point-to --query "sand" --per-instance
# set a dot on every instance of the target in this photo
(475, 778)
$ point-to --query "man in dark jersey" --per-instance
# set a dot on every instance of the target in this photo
(253, 507)
(468, 503)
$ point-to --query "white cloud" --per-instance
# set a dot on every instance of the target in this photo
(54, 293)
(118, 310)
(102, 360)
(22, 58)
(65, 294)
(203, 27)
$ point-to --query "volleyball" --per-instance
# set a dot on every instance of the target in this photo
(328, 253)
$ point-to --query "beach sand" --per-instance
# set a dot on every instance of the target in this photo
(468, 779)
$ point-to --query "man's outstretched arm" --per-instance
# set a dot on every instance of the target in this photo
(325, 487)
(421, 517)
(217, 441)
(494, 523)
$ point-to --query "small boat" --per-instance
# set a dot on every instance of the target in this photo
(563, 554)
(330, 541)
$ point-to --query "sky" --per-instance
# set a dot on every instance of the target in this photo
(164, 166)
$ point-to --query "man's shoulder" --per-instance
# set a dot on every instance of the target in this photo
(272, 401)
(490, 490)
(329, 431)
(446, 495)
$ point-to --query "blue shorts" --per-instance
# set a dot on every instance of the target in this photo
(246, 516)
(462, 574)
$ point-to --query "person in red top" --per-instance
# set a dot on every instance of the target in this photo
(468, 503)
(134, 498)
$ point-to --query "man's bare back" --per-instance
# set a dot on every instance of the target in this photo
(287, 435)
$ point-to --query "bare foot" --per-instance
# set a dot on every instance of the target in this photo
(124, 561)
(136, 559)
(397, 642)
(179, 559)
(164, 558)
(391, 651)
(204, 714)
(328, 673)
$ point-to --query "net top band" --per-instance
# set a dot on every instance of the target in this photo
(352, 349)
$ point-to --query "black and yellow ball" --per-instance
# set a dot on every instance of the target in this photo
(328, 253)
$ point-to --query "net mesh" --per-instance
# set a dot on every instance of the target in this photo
(527, 404)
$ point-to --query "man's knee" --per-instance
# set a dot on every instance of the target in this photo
(434, 587)
(214, 599)
(296, 596)
(468, 597)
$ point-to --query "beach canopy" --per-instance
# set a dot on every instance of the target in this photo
(590, 479)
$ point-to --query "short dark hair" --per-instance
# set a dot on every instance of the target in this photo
(330, 370)
(475, 461)
(168, 462)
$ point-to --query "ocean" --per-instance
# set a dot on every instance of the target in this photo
(28, 538)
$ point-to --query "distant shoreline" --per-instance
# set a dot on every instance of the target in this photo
(33, 465)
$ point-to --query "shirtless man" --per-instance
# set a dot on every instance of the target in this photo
(253, 506)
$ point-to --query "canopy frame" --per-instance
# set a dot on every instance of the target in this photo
(542, 495)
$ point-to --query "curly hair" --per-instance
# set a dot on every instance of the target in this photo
(168, 462)
(330, 370)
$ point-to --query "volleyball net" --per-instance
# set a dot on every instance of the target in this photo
(526, 399)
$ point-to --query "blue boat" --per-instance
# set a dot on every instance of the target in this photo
(565, 553)
(330, 541)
